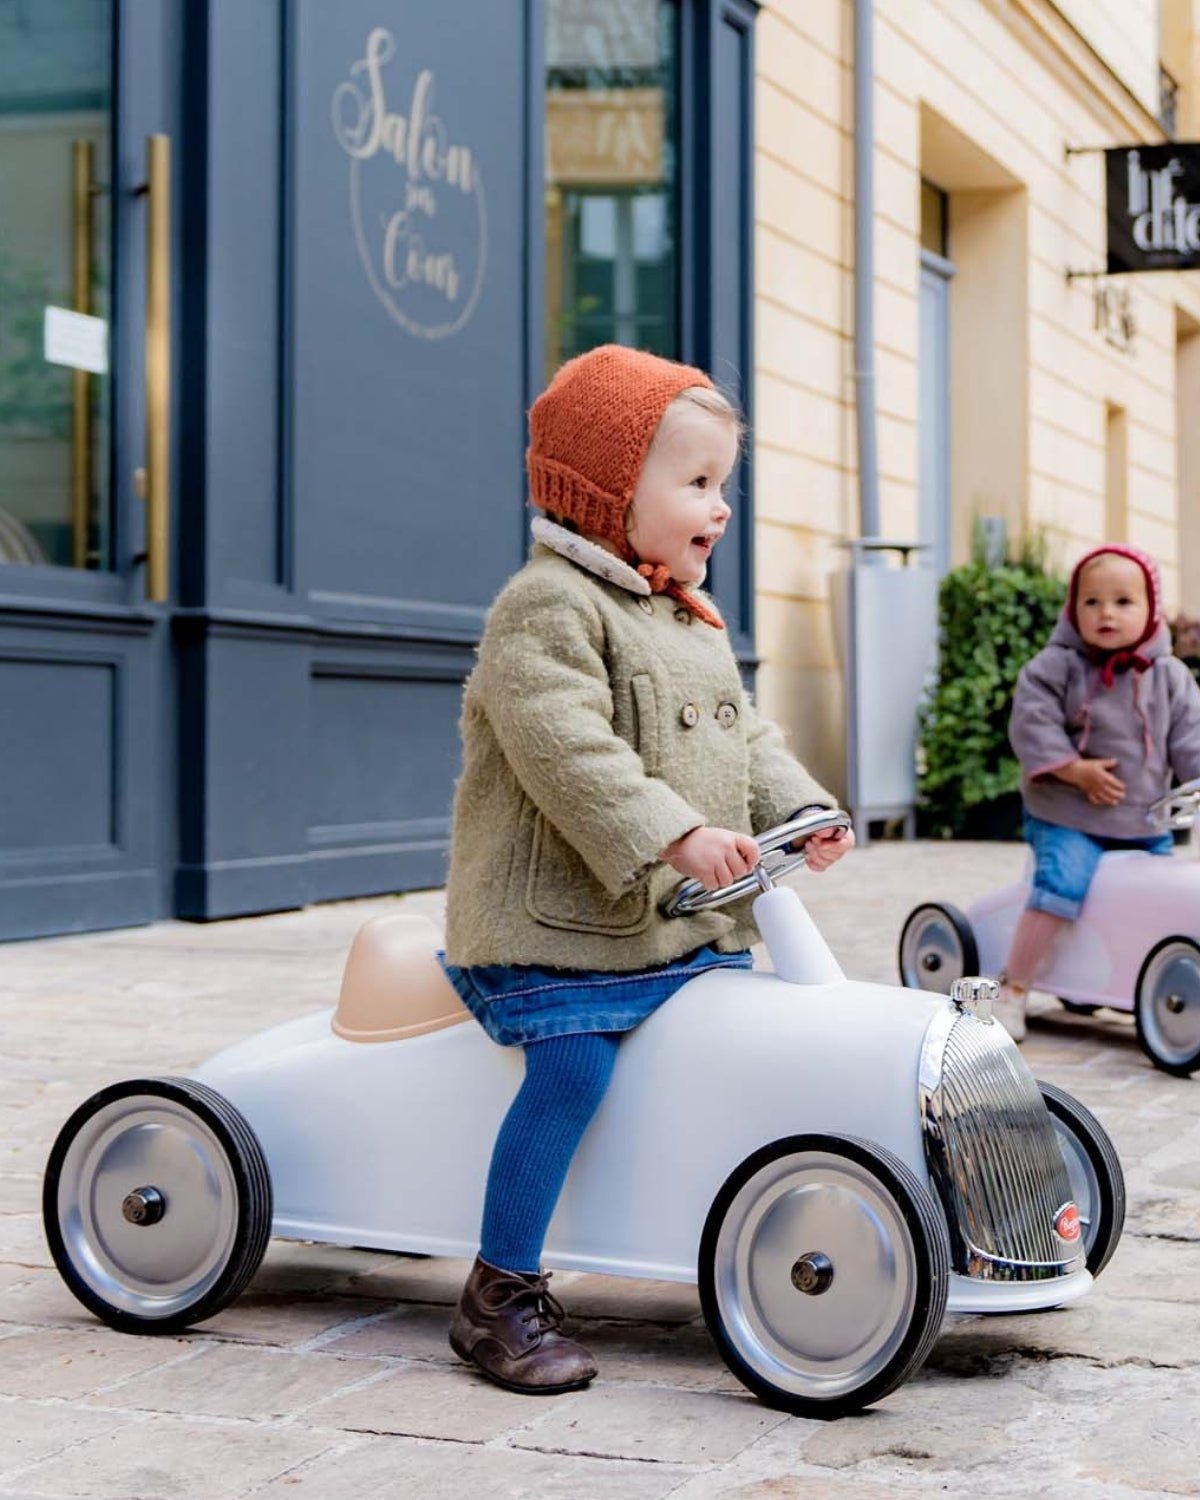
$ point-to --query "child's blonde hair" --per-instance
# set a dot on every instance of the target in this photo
(708, 399)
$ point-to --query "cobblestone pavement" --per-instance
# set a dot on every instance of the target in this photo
(330, 1377)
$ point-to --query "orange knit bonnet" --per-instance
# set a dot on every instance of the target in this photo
(590, 431)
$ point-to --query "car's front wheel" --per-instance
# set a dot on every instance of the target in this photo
(1167, 1006)
(1094, 1171)
(824, 1272)
(156, 1204)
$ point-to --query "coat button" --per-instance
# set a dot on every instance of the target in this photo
(689, 716)
(727, 715)
(647, 605)
(684, 616)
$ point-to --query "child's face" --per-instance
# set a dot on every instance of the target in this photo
(678, 513)
(1111, 606)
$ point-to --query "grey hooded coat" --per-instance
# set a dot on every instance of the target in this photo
(1147, 721)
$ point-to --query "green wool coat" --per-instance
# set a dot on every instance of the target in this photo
(600, 724)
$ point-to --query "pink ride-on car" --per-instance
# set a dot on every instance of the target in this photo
(1136, 945)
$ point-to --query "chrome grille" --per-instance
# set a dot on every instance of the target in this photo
(992, 1154)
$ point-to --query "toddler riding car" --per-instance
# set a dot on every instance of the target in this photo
(835, 1163)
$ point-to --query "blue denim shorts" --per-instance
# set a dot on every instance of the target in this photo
(1065, 861)
(517, 1003)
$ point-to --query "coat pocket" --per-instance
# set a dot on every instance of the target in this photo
(563, 892)
(645, 721)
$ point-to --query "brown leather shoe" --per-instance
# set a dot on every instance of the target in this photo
(506, 1324)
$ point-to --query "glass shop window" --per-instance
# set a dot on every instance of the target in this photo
(56, 132)
(612, 189)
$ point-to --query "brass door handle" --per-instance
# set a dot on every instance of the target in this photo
(158, 367)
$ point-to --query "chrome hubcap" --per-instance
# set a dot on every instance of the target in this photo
(147, 1205)
(932, 958)
(1085, 1185)
(824, 1323)
(1170, 1003)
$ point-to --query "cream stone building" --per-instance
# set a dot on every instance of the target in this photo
(1003, 388)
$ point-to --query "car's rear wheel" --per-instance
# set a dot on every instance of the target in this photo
(1094, 1171)
(824, 1272)
(937, 946)
(1167, 1006)
(156, 1204)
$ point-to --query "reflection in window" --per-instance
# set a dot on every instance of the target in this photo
(611, 179)
(55, 136)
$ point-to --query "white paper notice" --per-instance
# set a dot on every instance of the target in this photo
(76, 339)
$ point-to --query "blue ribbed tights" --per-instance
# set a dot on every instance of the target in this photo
(565, 1080)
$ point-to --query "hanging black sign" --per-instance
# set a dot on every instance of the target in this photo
(1154, 207)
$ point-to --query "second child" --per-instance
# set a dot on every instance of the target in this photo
(1101, 718)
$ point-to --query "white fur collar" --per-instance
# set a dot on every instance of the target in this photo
(578, 549)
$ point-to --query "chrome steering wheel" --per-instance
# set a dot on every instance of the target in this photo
(1178, 809)
(777, 858)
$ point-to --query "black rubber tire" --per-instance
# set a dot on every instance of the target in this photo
(962, 929)
(247, 1165)
(931, 1246)
(1185, 1067)
(1079, 1121)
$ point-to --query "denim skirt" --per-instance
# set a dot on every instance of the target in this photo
(518, 1003)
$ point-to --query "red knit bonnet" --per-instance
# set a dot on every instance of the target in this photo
(590, 431)
(1126, 658)
(1149, 570)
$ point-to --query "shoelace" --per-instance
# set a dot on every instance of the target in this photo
(547, 1311)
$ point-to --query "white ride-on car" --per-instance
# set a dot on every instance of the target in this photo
(835, 1163)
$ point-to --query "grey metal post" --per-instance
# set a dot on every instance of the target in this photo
(864, 266)
(864, 360)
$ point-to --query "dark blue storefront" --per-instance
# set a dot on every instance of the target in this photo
(388, 220)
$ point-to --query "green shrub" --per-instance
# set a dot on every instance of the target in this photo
(991, 620)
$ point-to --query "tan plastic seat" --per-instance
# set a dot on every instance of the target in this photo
(393, 985)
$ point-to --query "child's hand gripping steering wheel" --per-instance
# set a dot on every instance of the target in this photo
(1178, 809)
(779, 857)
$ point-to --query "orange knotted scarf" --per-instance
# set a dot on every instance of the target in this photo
(660, 580)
